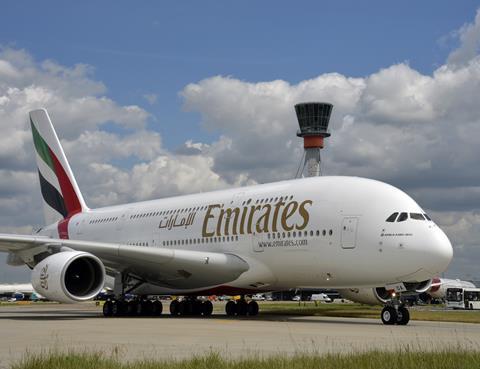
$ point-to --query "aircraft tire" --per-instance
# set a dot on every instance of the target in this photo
(197, 307)
(403, 316)
(241, 308)
(130, 308)
(174, 308)
(117, 308)
(389, 315)
(252, 308)
(157, 308)
(107, 309)
(230, 308)
(182, 308)
(207, 308)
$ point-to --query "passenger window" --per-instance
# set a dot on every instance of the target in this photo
(416, 216)
(402, 217)
(392, 217)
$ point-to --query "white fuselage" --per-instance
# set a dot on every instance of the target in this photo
(315, 232)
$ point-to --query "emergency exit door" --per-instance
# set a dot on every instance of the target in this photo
(349, 233)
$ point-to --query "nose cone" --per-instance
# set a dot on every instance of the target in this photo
(440, 252)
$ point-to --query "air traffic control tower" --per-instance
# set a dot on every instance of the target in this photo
(313, 119)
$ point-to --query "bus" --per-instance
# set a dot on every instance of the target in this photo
(463, 298)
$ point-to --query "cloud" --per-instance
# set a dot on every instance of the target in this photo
(469, 36)
(151, 98)
(416, 131)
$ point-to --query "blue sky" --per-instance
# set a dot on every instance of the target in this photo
(152, 47)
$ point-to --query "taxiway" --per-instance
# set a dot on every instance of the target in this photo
(43, 327)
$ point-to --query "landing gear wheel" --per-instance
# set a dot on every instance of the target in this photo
(107, 308)
(131, 308)
(252, 308)
(117, 308)
(230, 308)
(241, 308)
(207, 308)
(389, 315)
(197, 307)
(156, 308)
(403, 316)
(182, 308)
(174, 308)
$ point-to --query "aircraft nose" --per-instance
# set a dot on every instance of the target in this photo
(441, 252)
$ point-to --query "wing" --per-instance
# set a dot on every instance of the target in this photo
(160, 266)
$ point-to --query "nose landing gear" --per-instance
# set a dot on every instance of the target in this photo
(395, 313)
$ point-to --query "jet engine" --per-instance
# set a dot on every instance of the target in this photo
(379, 295)
(69, 276)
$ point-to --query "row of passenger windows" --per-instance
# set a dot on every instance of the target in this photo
(103, 220)
(299, 234)
(404, 216)
(168, 212)
(195, 241)
(267, 200)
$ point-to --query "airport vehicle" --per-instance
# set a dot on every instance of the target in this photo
(380, 295)
(328, 232)
(463, 298)
(321, 297)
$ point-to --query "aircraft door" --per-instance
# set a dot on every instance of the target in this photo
(349, 233)
(257, 242)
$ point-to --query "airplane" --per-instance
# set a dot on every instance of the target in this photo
(17, 291)
(379, 295)
(327, 232)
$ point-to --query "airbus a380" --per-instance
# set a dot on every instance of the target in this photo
(331, 232)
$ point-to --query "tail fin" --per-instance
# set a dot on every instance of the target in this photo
(61, 195)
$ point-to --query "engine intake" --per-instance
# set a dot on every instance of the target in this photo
(69, 276)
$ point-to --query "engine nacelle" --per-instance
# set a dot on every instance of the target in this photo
(69, 276)
(379, 295)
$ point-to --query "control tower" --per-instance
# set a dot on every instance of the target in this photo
(313, 119)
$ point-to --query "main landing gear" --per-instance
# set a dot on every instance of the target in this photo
(395, 313)
(139, 307)
(241, 308)
(191, 307)
(146, 307)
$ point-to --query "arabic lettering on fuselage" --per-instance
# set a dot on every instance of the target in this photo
(171, 222)
(246, 219)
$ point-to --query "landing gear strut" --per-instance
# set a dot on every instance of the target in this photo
(241, 308)
(395, 313)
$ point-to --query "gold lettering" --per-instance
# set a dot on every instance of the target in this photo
(288, 211)
(264, 218)
(205, 233)
(229, 212)
(242, 220)
(304, 214)
(253, 209)
(275, 215)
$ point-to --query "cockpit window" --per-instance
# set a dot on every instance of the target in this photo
(427, 217)
(402, 217)
(416, 216)
(392, 217)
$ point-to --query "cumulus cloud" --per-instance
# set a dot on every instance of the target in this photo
(469, 36)
(417, 131)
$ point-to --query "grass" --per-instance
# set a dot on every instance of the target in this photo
(400, 359)
(364, 311)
